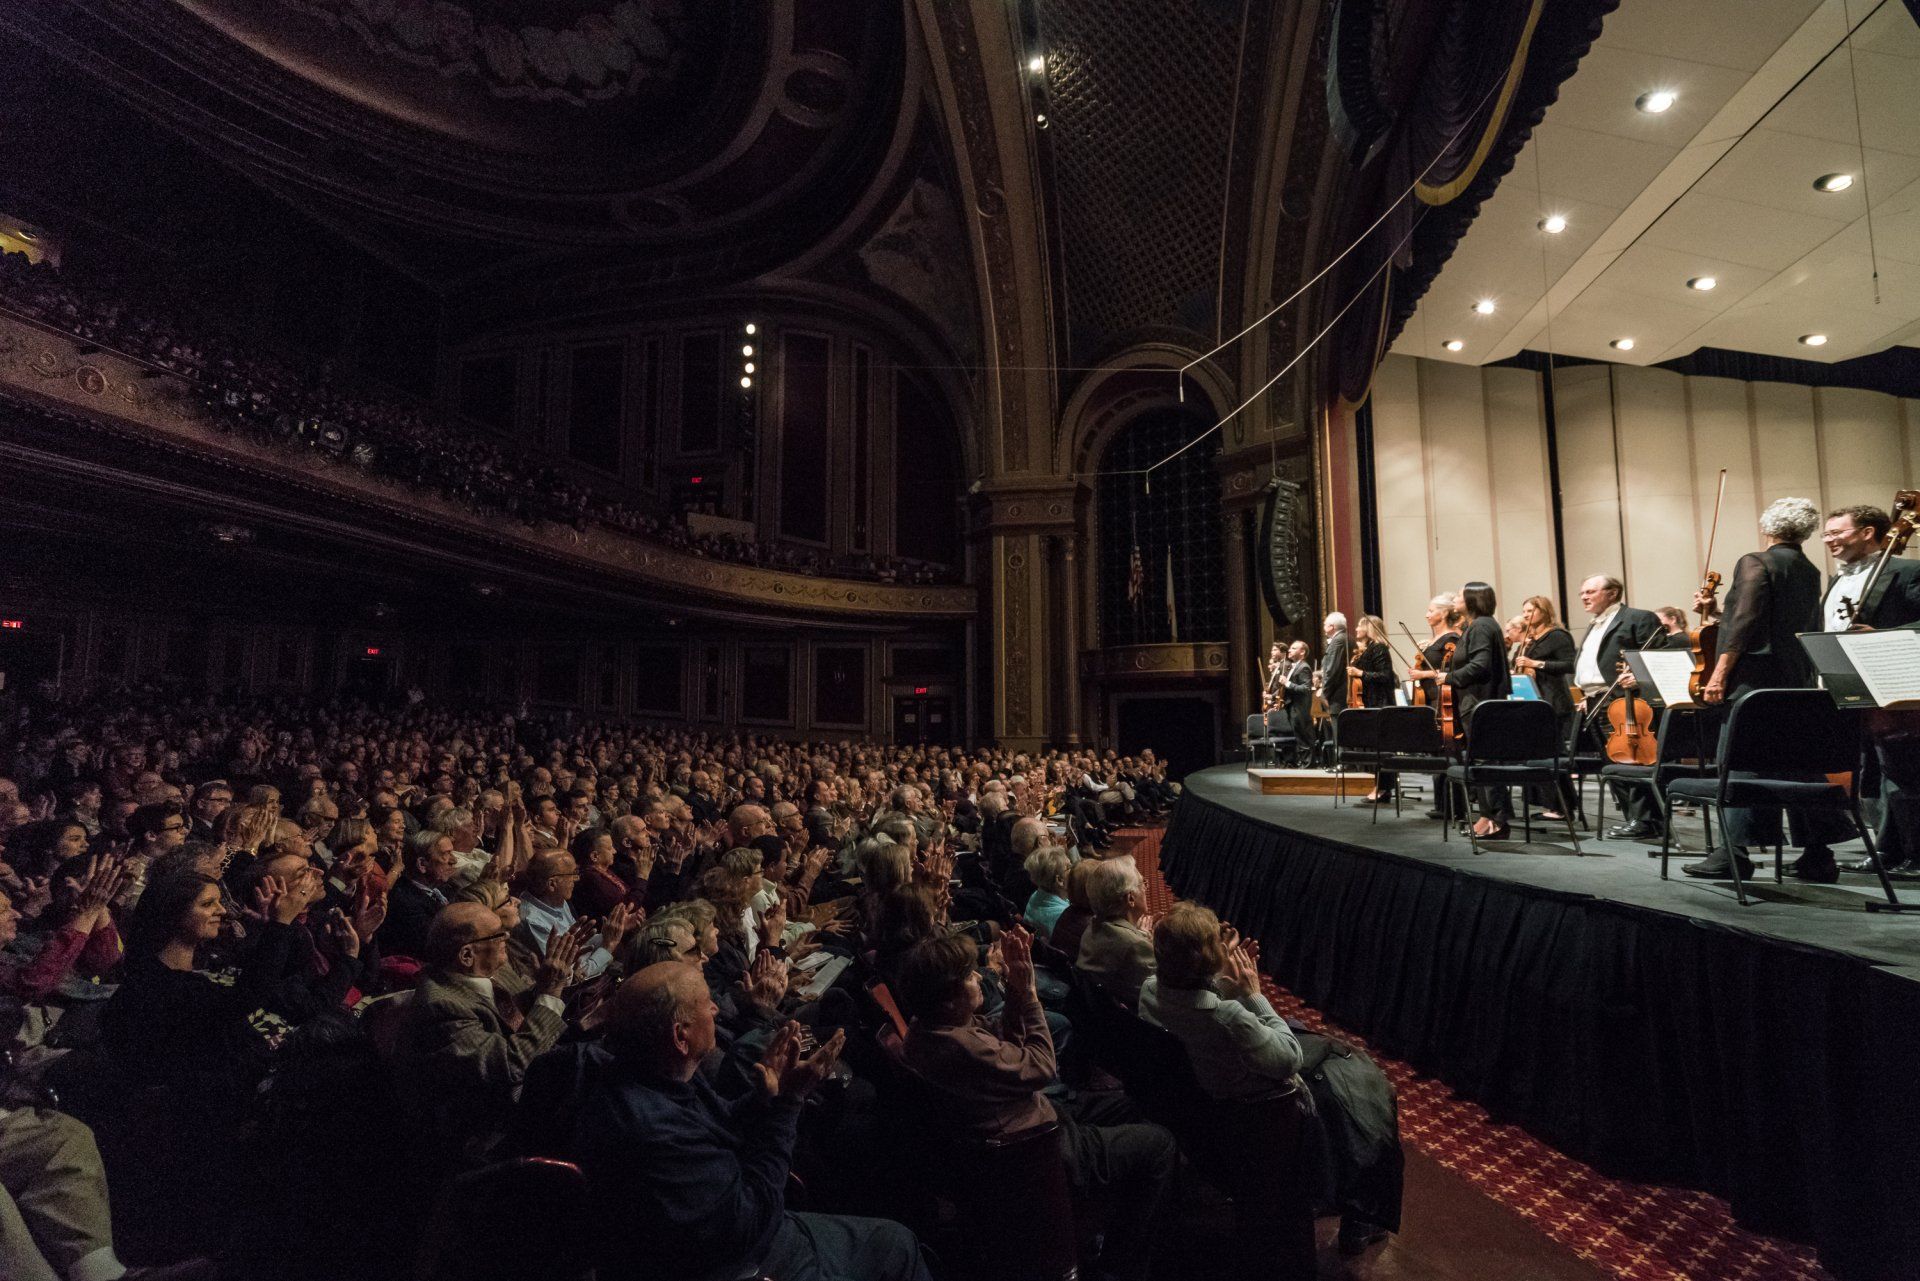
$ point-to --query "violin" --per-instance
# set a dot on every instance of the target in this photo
(1356, 685)
(1630, 734)
(1906, 507)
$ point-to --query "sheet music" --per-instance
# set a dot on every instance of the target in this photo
(1888, 662)
(1671, 670)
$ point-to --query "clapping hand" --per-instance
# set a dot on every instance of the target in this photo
(95, 888)
(369, 910)
(341, 931)
(773, 924)
(766, 982)
(1016, 956)
(616, 924)
(556, 967)
(784, 1073)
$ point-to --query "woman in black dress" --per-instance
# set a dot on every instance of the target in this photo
(1373, 665)
(1547, 655)
(1479, 672)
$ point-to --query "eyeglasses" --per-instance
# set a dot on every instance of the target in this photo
(488, 938)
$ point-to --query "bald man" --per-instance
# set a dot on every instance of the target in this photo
(463, 1044)
(689, 1184)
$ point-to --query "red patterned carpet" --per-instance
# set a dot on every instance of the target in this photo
(1635, 1231)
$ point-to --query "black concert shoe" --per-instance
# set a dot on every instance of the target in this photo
(1633, 832)
(1816, 866)
(1717, 868)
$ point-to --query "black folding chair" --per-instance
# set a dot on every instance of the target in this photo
(1408, 742)
(1683, 749)
(1255, 737)
(1356, 743)
(1512, 742)
(1585, 761)
(1777, 751)
(1280, 735)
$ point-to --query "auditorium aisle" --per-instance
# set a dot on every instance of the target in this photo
(1489, 1202)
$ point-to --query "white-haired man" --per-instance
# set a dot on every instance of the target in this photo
(1333, 665)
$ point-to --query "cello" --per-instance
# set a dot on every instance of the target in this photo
(1448, 729)
(1704, 641)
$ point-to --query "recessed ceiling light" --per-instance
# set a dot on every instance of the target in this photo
(746, 382)
(1036, 64)
(747, 368)
(1833, 182)
(1702, 283)
(1484, 307)
(1553, 224)
(746, 349)
(1453, 344)
(1814, 340)
(1655, 101)
(1622, 344)
(752, 329)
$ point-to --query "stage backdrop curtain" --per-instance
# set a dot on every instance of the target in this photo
(1650, 1045)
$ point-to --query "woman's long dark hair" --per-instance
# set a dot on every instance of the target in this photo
(156, 918)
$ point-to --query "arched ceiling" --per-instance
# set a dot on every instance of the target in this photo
(705, 138)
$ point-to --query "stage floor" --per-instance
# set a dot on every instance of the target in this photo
(1828, 917)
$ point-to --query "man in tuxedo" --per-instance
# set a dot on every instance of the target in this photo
(1616, 628)
(1855, 537)
(1333, 665)
(1296, 684)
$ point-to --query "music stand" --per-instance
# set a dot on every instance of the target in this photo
(1852, 691)
(1661, 675)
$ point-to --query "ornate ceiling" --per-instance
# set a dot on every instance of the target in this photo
(454, 136)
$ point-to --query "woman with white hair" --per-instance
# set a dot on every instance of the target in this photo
(1774, 594)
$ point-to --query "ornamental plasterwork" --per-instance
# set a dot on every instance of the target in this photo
(106, 387)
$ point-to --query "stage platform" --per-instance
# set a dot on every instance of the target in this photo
(1655, 1029)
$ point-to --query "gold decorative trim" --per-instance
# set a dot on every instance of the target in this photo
(107, 387)
(1446, 193)
(1120, 661)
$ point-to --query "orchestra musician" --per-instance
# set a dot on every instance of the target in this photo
(1479, 672)
(1855, 537)
(1444, 617)
(1331, 680)
(1297, 687)
(1546, 654)
(1275, 693)
(1775, 594)
(1373, 665)
(1674, 619)
(1616, 628)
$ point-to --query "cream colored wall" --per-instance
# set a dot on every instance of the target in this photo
(1462, 488)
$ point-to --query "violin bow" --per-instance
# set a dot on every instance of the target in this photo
(1713, 531)
(1408, 631)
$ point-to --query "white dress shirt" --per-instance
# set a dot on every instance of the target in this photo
(1586, 671)
(1852, 580)
(540, 922)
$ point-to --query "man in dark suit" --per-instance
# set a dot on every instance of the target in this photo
(420, 893)
(1774, 595)
(1855, 537)
(1296, 682)
(1616, 628)
(1333, 665)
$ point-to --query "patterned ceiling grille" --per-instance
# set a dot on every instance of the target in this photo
(1141, 96)
(1179, 593)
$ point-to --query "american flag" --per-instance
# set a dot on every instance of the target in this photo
(1136, 578)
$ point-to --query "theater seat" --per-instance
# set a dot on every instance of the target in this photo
(510, 1221)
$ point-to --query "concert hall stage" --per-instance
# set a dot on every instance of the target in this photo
(1656, 1030)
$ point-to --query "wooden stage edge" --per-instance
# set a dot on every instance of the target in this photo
(1307, 782)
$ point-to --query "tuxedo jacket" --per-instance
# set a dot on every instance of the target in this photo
(1896, 597)
(1333, 672)
(1632, 629)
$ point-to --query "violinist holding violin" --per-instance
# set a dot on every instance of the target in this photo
(1444, 618)
(1775, 594)
(1478, 672)
(1546, 655)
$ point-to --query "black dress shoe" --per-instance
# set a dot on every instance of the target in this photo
(1851, 865)
(1633, 832)
(1718, 868)
(1439, 815)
